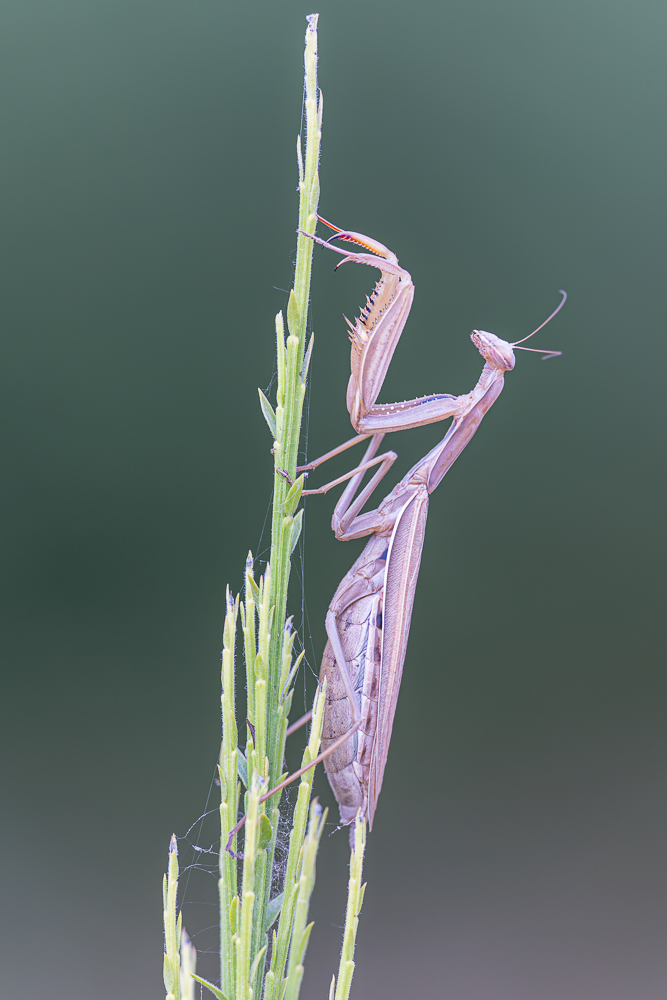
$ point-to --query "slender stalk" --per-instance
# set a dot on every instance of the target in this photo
(291, 370)
(228, 770)
(243, 942)
(301, 931)
(355, 897)
(172, 927)
(281, 939)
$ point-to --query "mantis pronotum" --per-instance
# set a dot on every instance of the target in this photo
(368, 621)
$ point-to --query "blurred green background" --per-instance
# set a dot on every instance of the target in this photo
(504, 151)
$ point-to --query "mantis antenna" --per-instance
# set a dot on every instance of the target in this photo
(550, 354)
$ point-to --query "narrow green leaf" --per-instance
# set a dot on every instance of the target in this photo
(260, 667)
(297, 524)
(280, 358)
(234, 915)
(255, 964)
(272, 911)
(269, 413)
(286, 655)
(299, 158)
(293, 315)
(315, 191)
(265, 834)
(209, 986)
(306, 360)
(305, 937)
(293, 497)
(242, 768)
(254, 589)
(288, 683)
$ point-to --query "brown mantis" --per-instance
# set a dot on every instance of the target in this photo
(368, 621)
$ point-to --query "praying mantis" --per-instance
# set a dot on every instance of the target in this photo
(368, 620)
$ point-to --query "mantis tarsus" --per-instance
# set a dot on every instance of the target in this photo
(368, 621)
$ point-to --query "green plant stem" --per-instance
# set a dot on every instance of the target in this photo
(291, 372)
(228, 770)
(355, 898)
(281, 939)
(268, 644)
(243, 941)
(172, 927)
(301, 930)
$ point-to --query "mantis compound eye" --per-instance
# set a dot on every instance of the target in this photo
(494, 350)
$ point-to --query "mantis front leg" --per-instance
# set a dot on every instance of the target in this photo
(374, 336)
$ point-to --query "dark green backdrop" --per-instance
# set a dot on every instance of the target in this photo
(504, 150)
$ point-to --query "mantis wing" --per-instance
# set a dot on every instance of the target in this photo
(402, 571)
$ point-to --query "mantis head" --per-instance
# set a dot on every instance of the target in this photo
(494, 350)
(500, 353)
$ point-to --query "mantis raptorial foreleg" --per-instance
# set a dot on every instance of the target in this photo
(375, 335)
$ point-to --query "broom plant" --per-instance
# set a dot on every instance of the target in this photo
(264, 937)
